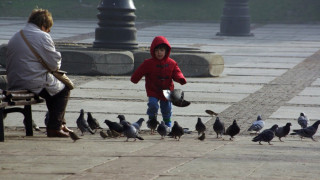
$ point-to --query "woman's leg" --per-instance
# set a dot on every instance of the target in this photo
(56, 106)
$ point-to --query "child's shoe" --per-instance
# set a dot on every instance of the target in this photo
(167, 122)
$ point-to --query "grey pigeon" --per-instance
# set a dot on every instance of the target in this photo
(34, 125)
(177, 98)
(152, 124)
(283, 131)
(233, 129)
(202, 137)
(103, 134)
(114, 126)
(303, 120)
(267, 135)
(46, 119)
(162, 129)
(82, 124)
(218, 127)
(138, 124)
(74, 136)
(177, 130)
(122, 118)
(308, 131)
(93, 122)
(131, 132)
(257, 125)
(200, 127)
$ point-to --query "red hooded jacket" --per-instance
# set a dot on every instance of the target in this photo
(159, 74)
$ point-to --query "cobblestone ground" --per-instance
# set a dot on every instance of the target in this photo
(274, 94)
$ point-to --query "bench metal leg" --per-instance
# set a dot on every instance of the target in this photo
(28, 120)
(1, 126)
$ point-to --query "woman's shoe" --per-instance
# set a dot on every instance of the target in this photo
(65, 128)
(56, 133)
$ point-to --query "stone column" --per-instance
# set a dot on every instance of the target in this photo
(116, 25)
(235, 19)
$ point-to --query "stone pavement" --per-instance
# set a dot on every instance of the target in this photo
(275, 73)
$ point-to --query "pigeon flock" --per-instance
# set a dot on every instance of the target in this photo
(123, 128)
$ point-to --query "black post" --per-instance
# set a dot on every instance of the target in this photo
(235, 19)
(27, 112)
(116, 25)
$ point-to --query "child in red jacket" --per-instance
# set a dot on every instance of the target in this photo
(159, 72)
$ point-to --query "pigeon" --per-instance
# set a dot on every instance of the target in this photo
(177, 130)
(211, 112)
(283, 131)
(233, 129)
(122, 118)
(202, 137)
(152, 124)
(131, 132)
(257, 125)
(267, 135)
(74, 136)
(200, 127)
(34, 125)
(138, 124)
(114, 126)
(93, 123)
(218, 127)
(82, 124)
(162, 129)
(103, 134)
(46, 119)
(308, 131)
(176, 96)
(303, 120)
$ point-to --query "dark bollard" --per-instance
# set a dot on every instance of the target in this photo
(235, 19)
(116, 25)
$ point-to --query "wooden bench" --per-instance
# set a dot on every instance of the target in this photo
(10, 102)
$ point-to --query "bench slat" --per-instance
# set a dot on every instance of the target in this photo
(7, 92)
(15, 96)
(19, 103)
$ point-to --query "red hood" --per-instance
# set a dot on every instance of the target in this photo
(157, 41)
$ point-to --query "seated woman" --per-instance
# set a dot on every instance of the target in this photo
(24, 70)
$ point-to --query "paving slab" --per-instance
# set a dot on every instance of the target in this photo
(316, 82)
(209, 87)
(264, 65)
(315, 91)
(140, 95)
(294, 111)
(308, 100)
(253, 72)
